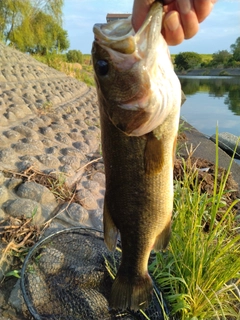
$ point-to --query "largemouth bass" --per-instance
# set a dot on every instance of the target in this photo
(139, 101)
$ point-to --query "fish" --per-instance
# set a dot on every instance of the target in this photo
(139, 97)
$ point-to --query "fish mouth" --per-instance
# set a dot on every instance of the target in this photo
(120, 36)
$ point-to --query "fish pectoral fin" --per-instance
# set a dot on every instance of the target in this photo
(163, 238)
(154, 154)
(183, 98)
(110, 230)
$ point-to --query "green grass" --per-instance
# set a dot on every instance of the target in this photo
(59, 62)
(200, 272)
(206, 57)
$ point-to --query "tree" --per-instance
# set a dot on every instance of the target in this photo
(33, 26)
(12, 14)
(220, 58)
(50, 7)
(74, 56)
(235, 48)
(233, 99)
(187, 60)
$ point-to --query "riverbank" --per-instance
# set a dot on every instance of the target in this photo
(205, 148)
(211, 72)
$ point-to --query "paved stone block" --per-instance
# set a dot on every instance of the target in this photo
(26, 207)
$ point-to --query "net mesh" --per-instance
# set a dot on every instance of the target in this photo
(64, 276)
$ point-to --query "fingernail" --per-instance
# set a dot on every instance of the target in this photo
(172, 21)
(184, 6)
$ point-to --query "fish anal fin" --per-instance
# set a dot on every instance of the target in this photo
(163, 238)
(110, 230)
(154, 154)
(131, 292)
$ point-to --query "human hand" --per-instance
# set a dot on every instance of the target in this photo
(181, 19)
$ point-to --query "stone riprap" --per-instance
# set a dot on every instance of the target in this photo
(228, 142)
(49, 121)
(46, 118)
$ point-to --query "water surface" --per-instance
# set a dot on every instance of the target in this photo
(211, 101)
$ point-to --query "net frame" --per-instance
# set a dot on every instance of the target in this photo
(158, 306)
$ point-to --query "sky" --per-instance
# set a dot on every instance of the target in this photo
(217, 32)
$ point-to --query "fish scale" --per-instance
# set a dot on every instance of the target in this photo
(139, 101)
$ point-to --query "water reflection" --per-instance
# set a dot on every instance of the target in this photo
(216, 87)
(214, 97)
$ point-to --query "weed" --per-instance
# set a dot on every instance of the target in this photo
(57, 185)
(45, 107)
(82, 72)
(199, 273)
(206, 73)
(181, 134)
(223, 73)
(19, 235)
(13, 273)
(183, 127)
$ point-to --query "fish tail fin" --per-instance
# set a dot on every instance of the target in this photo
(134, 293)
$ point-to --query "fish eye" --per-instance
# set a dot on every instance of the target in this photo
(102, 66)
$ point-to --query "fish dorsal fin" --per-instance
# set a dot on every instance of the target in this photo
(154, 154)
(110, 230)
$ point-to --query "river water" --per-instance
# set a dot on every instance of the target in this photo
(212, 101)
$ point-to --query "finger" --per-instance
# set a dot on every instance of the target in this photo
(188, 18)
(202, 8)
(139, 13)
(172, 29)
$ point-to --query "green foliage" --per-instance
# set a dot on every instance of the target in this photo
(187, 60)
(236, 49)
(14, 273)
(206, 57)
(223, 73)
(11, 16)
(232, 63)
(200, 273)
(75, 56)
(223, 58)
(233, 99)
(45, 35)
(87, 78)
(50, 7)
(220, 58)
(33, 26)
(59, 62)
